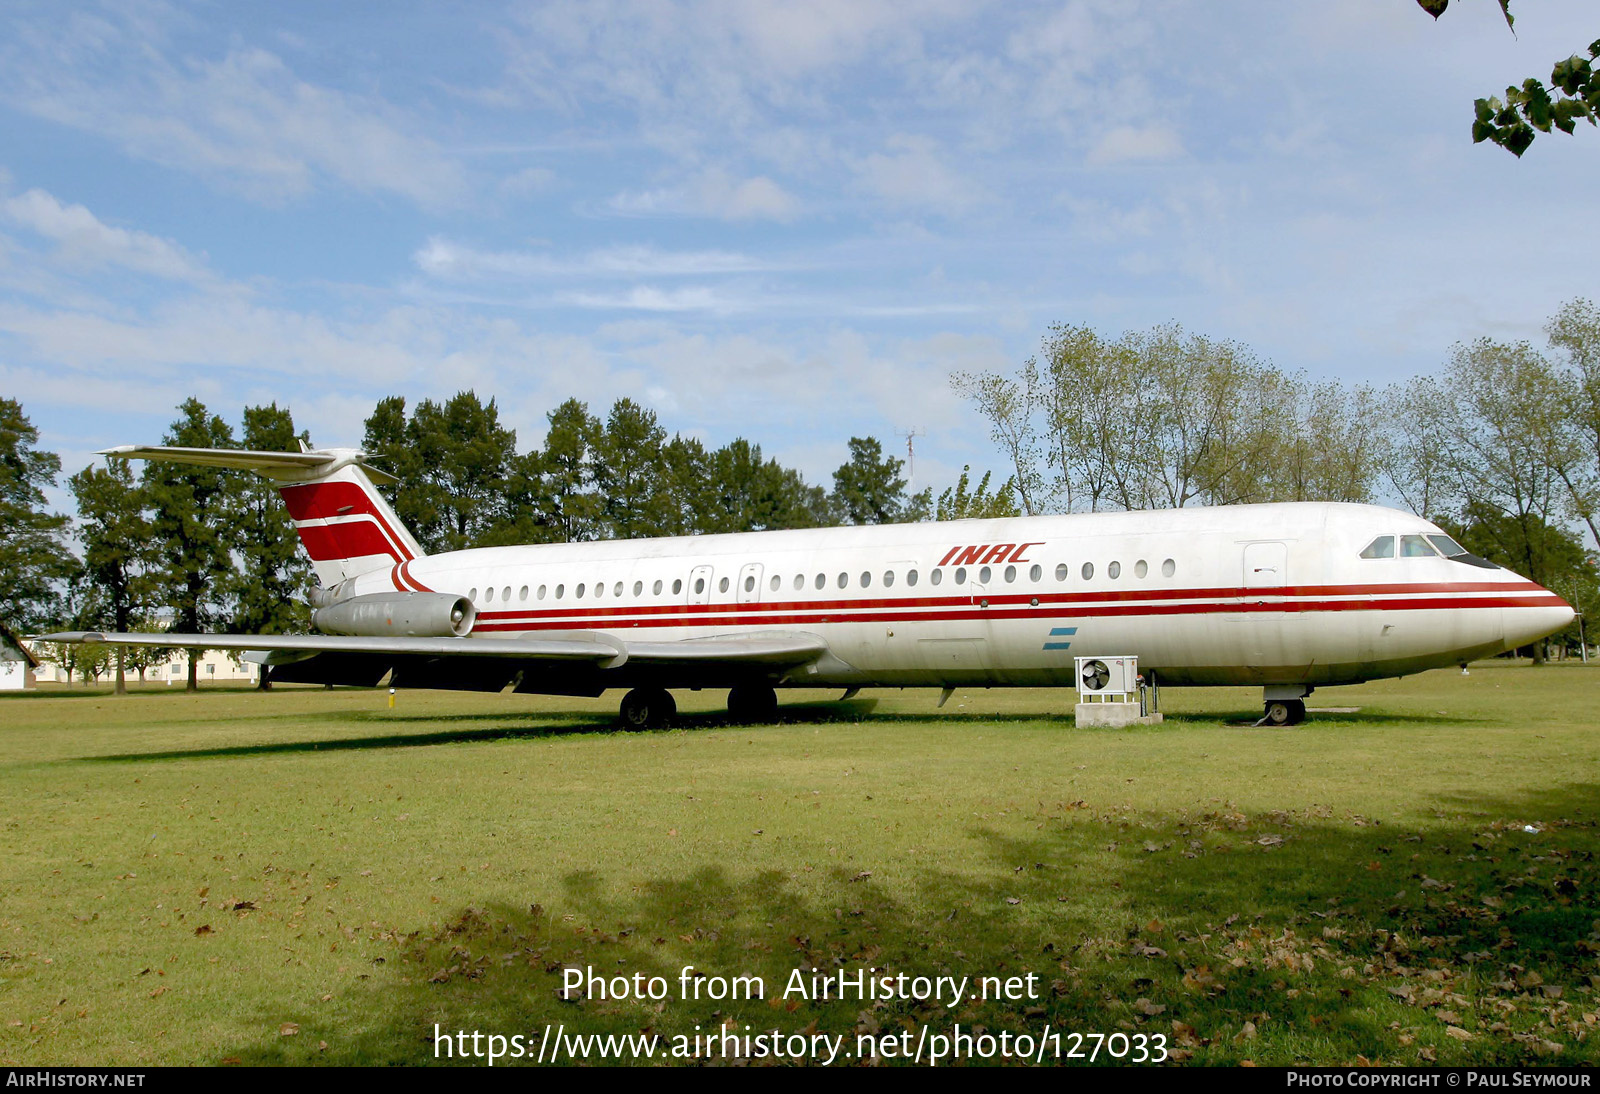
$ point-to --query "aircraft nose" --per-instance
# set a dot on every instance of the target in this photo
(1533, 622)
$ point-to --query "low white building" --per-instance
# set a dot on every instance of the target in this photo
(17, 663)
(215, 667)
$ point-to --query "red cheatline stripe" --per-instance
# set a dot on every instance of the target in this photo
(405, 572)
(1295, 598)
(1042, 612)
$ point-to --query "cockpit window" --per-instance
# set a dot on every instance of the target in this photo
(1448, 547)
(1415, 547)
(1382, 547)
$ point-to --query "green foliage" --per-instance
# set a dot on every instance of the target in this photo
(192, 525)
(118, 553)
(959, 502)
(1573, 94)
(34, 558)
(1162, 419)
(267, 588)
(869, 488)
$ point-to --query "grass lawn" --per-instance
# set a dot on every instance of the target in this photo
(307, 875)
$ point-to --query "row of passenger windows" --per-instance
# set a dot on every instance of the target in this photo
(959, 576)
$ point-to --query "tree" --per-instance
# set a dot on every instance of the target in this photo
(1573, 94)
(1575, 333)
(267, 586)
(192, 526)
(118, 556)
(628, 473)
(34, 558)
(748, 493)
(569, 468)
(960, 503)
(869, 489)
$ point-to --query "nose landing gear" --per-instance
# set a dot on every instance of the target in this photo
(1283, 704)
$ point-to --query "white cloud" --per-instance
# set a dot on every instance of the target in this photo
(443, 258)
(82, 239)
(713, 193)
(244, 119)
(911, 173)
(1125, 143)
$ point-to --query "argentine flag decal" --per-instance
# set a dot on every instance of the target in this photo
(1060, 632)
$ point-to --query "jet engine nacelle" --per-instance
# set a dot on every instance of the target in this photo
(398, 615)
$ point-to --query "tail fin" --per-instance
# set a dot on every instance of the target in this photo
(344, 523)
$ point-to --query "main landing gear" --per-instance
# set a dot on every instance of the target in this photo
(647, 708)
(752, 703)
(1284, 704)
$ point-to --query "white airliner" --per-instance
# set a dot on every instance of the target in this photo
(1288, 597)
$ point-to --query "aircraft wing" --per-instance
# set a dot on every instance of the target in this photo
(769, 650)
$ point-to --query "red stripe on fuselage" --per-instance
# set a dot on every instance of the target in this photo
(878, 611)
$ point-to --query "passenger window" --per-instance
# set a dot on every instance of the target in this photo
(1088, 570)
(749, 583)
(559, 590)
(1415, 547)
(656, 588)
(936, 576)
(799, 582)
(638, 588)
(1382, 547)
(866, 579)
(1140, 569)
(618, 590)
(821, 581)
(1036, 573)
(599, 589)
(505, 594)
(775, 582)
(961, 575)
(579, 593)
(983, 575)
(522, 593)
(488, 596)
(888, 578)
(1061, 571)
(1168, 568)
(473, 593)
(1114, 570)
(677, 586)
(541, 592)
(911, 577)
(1011, 574)
(722, 586)
(844, 581)
(699, 585)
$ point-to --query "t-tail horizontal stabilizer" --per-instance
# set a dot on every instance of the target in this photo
(344, 523)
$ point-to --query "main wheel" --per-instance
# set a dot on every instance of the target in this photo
(752, 703)
(647, 708)
(1285, 712)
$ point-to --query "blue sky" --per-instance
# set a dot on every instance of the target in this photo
(790, 222)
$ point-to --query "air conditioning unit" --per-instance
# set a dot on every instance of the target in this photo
(1108, 679)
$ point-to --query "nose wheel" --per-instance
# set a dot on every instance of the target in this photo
(647, 708)
(1283, 712)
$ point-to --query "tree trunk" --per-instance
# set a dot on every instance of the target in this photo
(194, 674)
(122, 683)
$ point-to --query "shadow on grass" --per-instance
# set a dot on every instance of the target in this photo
(1279, 938)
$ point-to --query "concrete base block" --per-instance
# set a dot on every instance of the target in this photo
(1114, 714)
